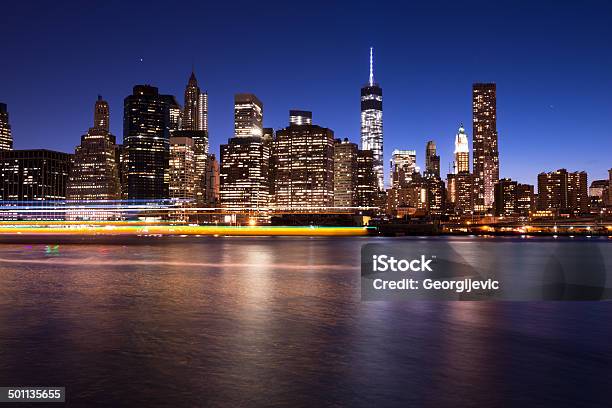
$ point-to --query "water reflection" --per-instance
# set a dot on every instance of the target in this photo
(277, 322)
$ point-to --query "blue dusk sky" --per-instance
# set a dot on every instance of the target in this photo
(552, 63)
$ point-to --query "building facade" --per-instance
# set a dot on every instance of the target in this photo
(146, 133)
(561, 191)
(462, 152)
(403, 167)
(372, 123)
(212, 182)
(95, 172)
(432, 160)
(367, 181)
(6, 137)
(345, 173)
(245, 159)
(182, 184)
(34, 175)
(486, 155)
(195, 109)
(304, 157)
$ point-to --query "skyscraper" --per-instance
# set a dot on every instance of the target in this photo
(403, 167)
(248, 116)
(304, 157)
(345, 173)
(182, 169)
(486, 155)
(372, 123)
(195, 111)
(432, 160)
(146, 130)
(367, 182)
(462, 152)
(245, 159)
(95, 172)
(6, 139)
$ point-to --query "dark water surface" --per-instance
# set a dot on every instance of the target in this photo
(236, 321)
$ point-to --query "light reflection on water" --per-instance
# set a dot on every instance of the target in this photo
(277, 322)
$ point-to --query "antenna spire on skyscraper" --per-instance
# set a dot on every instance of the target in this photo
(371, 66)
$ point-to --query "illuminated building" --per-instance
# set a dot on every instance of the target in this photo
(403, 167)
(304, 157)
(244, 174)
(525, 200)
(182, 168)
(6, 139)
(200, 151)
(211, 177)
(408, 198)
(486, 155)
(462, 152)
(345, 173)
(146, 127)
(95, 174)
(248, 116)
(372, 123)
(464, 193)
(298, 117)
(505, 197)
(34, 175)
(562, 191)
(432, 160)
(367, 181)
(195, 111)
(245, 159)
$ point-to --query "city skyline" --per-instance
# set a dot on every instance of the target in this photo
(540, 109)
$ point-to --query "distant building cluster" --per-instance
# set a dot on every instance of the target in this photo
(300, 169)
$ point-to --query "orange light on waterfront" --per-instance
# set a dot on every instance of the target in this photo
(102, 229)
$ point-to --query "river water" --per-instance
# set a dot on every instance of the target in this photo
(271, 321)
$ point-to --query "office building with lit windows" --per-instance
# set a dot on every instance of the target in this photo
(403, 167)
(6, 138)
(244, 166)
(95, 172)
(484, 136)
(432, 160)
(372, 123)
(304, 157)
(146, 132)
(34, 175)
(367, 181)
(248, 116)
(565, 192)
(345, 173)
(182, 169)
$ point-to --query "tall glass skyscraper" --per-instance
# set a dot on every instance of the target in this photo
(6, 139)
(372, 123)
(486, 155)
(146, 127)
(245, 159)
